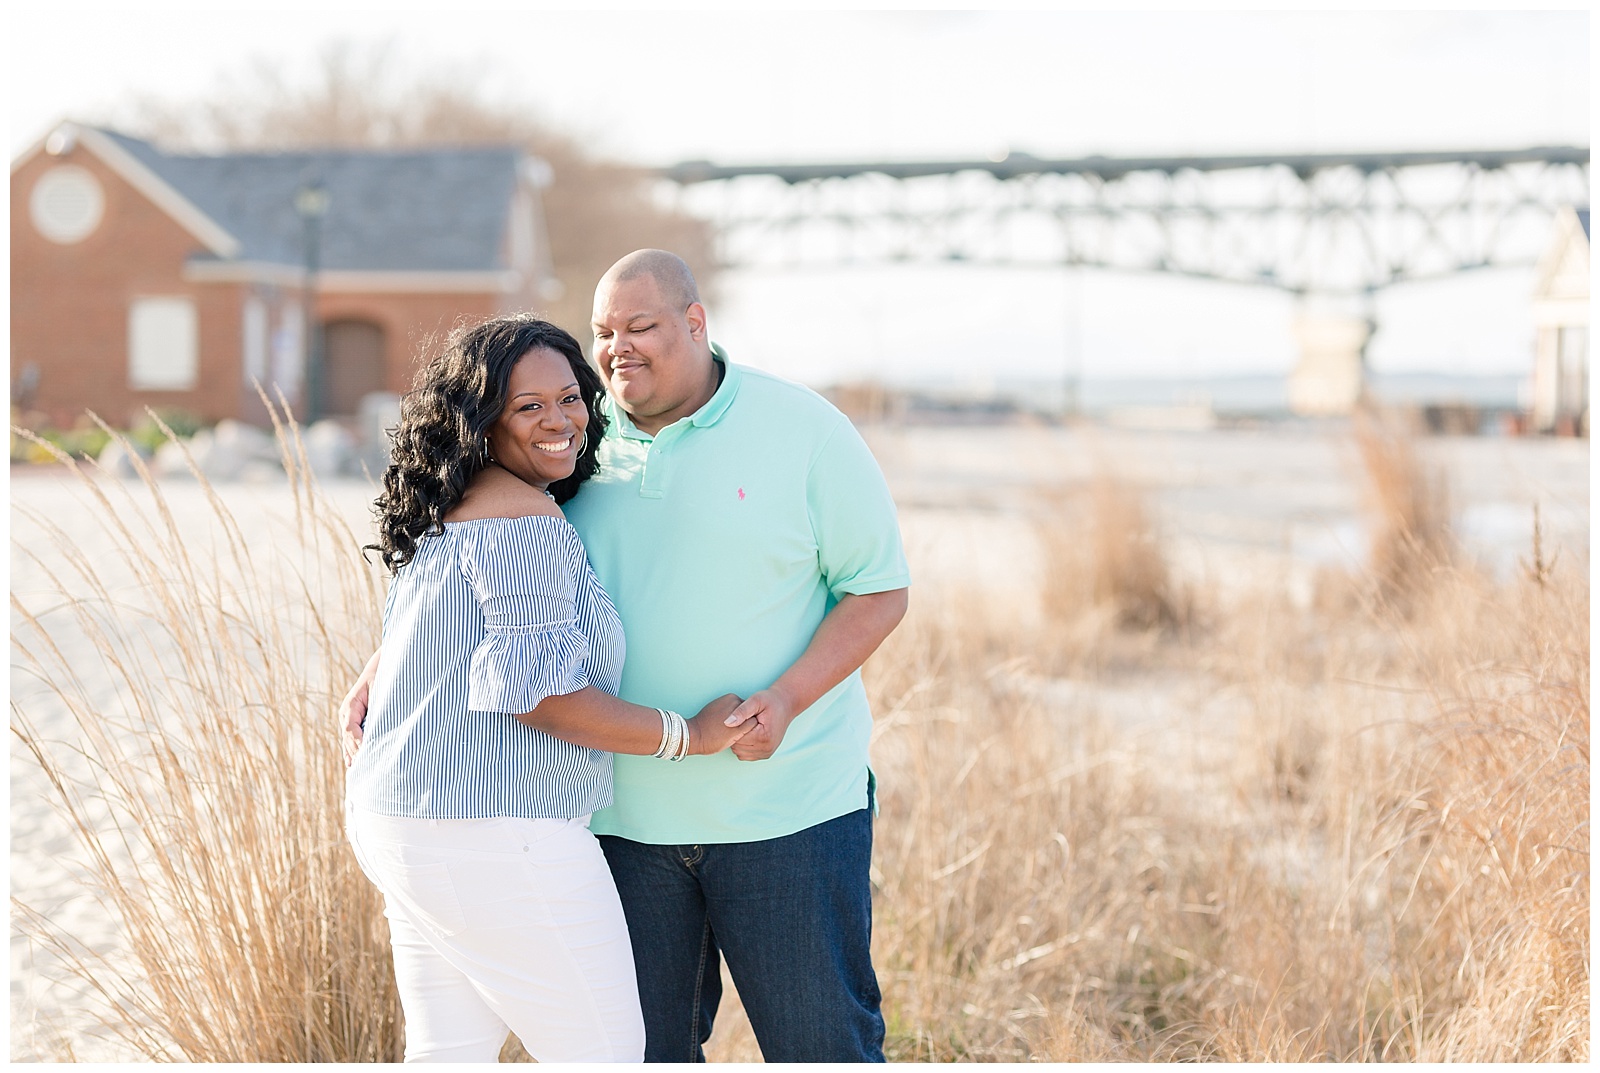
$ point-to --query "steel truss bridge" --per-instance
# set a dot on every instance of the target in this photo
(1326, 224)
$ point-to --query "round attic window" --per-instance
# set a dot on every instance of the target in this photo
(67, 204)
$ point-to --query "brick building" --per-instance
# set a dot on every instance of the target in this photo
(145, 278)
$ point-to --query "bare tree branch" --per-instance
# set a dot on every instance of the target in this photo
(361, 96)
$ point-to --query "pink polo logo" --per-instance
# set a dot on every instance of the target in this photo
(741, 495)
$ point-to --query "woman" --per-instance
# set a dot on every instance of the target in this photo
(493, 717)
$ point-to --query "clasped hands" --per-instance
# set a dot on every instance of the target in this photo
(753, 727)
(757, 724)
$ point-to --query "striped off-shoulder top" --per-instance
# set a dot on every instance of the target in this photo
(490, 617)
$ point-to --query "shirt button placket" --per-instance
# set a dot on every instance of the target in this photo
(653, 480)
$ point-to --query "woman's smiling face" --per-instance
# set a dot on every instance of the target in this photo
(539, 434)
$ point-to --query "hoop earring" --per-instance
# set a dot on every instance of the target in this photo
(583, 445)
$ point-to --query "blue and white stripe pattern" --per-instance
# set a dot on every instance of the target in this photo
(489, 618)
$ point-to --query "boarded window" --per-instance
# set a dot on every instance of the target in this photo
(163, 344)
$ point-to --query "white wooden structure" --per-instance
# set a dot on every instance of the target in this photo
(1561, 319)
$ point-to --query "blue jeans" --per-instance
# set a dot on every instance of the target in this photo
(792, 915)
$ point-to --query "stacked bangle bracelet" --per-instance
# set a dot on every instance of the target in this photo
(674, 736)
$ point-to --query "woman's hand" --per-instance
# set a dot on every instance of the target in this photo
(353, 709)
(708, 730)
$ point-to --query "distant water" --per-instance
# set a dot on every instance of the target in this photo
(1235, 394)
(1253, 395)
(1270, 394)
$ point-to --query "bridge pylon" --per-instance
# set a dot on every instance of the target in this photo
(1329, 378)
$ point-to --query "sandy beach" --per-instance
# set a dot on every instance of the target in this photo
(1235, 511)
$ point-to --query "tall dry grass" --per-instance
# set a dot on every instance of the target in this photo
(205, 800)
(1368, 841)
(1407, 503)
(1268, 833)
(1103, 552)
(1361, 834)
(1107, 590)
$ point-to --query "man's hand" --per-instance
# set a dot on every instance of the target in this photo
(849, 633)
(353, 709)
(772, 713)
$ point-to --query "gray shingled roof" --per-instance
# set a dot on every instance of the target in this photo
(418, 210)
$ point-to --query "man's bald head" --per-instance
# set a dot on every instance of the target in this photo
(650, 339)
(671, 275)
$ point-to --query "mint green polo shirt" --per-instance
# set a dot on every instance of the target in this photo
(723, 542)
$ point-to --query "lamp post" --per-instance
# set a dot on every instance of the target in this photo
(1072, 380)
(311, 202)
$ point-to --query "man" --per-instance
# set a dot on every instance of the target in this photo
(747, 537)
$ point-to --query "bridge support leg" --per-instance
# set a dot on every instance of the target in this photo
(1330, 377)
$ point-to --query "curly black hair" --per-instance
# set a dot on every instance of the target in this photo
(440, 443)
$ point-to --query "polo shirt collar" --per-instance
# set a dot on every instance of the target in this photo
(708, 414)
(718, 404)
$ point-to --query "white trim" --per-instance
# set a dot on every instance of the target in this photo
(535, 171)
(280, 275)
(215, 237)
(1566, 233)
(408, 282)
(1564, 312)
(346, 281)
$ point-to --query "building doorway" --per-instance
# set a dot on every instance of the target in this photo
(353, 365)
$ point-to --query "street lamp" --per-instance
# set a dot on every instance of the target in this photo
(311, 202)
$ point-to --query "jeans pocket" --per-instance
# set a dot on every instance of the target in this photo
(530, 832)
(428, 894)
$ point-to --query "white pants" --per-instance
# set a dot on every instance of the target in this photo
(503, 924)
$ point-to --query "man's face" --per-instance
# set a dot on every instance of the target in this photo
(649, 354)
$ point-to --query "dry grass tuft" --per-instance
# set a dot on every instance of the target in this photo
(1104, 560)
(207, 799)
(1408, 507)
(1506, 759)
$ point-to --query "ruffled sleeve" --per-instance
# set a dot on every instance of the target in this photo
(523, 574)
